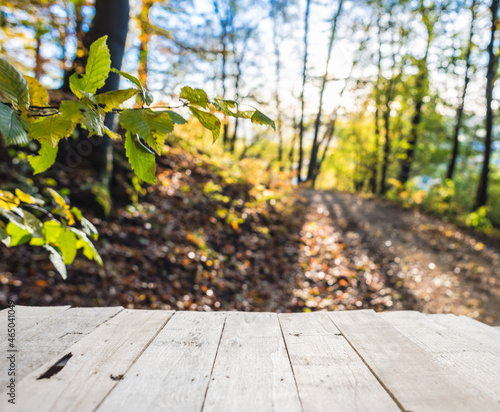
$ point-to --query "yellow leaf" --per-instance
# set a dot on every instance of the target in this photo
(26, 198)
(58, 199)
(8, 201)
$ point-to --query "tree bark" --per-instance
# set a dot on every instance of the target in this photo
(460, 109)
(317, 122)
(375, 164)
(302, 103)
(482, 191)
(144, 38)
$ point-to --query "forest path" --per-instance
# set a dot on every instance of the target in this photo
(433, 266)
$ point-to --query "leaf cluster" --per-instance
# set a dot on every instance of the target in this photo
(55, 230)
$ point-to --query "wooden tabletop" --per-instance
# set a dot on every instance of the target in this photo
(115, 359)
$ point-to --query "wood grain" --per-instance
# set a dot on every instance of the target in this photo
(173, 372)
(328, 371)
(252, 371)
(98, 361)
(410, 372)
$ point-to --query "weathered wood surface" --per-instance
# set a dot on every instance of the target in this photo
(252, 365)
(135, 360)
(98, 361)
(173, 372)
(327, 369)
(410, 372)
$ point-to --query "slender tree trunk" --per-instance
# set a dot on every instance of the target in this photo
(81, 51)
(387, 150)
(460, 109)
(376, 149)
(291, 153)
(482, 191)
(317, 122)
(304, 77)
(144, 38)
(225, 125)
(330, 127)
(232, 142)
(326, 140)
(420, 86)
(38, 56)
(277, 88)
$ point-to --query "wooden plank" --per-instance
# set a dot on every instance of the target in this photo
(483, 334)
(173, 372)
(28, 316)
(252, 371)
(465, 356)
(98, 361)
(411, 374)
(327, 369)
(55, 334)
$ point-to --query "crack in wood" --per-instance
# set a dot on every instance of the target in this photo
(56, 368)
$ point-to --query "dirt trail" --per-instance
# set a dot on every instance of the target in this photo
(435, 266)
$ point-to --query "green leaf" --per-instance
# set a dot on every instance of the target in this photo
(37, 241)
(197, 97)
(57, 260)
(52, 129)
(93, 120)
(208, 120)
(151, 126)
(4, 236)
(33, 224)
(39, 96)
(89, 249)
(96, 70)
(45, 158)
(12, 217)
(11, 126)
(13, 86)
(111, 134)
(77, 213)
(226, 106)
(145, 95)
(67, 246)
(176, 117)
(18, 236)
(111, 100)
(89, 228)
(260, 118)
(141, 158)
(51, 231)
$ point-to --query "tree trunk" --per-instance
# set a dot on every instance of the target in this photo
(304, 77)
(375, 164)
(317, 122)
(387, 151)
(144, 38)
(111, 19)
(277, 88)
(420, 86)
(482, 191)
(460, 109)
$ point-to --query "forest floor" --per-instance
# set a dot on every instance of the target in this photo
(430, 265)
(216, 236)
